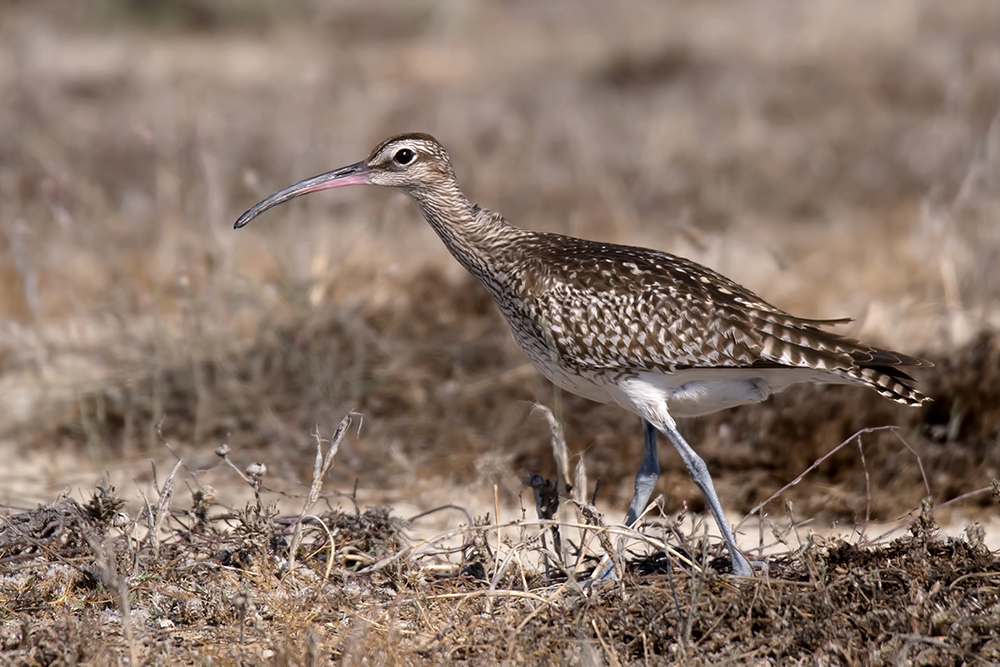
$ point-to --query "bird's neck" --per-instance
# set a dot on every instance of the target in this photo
(474, 236)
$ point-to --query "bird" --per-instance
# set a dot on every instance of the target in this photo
(659, 335)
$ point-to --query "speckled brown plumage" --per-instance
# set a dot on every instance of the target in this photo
(658, 334)
(603, 308)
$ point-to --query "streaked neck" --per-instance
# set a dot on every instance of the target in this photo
(471, 234)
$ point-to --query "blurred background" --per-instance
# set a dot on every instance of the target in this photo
(839, 158)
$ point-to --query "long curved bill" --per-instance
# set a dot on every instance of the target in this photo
(355, 174)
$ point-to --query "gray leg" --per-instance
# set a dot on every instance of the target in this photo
(645, 482)
(699, 473)
(645, 479)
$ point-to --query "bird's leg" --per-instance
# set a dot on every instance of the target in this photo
(645, 482)
(699, 473)
(645, 479)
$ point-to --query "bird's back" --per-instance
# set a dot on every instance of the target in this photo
(598, 309)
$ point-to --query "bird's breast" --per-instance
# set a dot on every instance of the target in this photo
(540, 347)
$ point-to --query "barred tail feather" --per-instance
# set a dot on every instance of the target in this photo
(890, 382)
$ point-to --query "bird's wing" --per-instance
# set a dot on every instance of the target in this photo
(618, 307)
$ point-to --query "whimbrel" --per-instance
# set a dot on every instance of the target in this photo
(659, 335)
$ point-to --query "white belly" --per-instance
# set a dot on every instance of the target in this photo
(685, 393)
(589, 385)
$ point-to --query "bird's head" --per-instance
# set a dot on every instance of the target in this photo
(409, 162)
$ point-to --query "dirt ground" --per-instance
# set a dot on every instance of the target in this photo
(838, 158)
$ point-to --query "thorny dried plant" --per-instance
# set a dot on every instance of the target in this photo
(321, 467)
(361, 566)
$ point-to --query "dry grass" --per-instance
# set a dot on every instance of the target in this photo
(837, 158)
(84, 584)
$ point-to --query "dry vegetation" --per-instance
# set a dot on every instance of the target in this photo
(839, 158)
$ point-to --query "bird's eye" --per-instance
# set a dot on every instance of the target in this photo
(403, 156)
